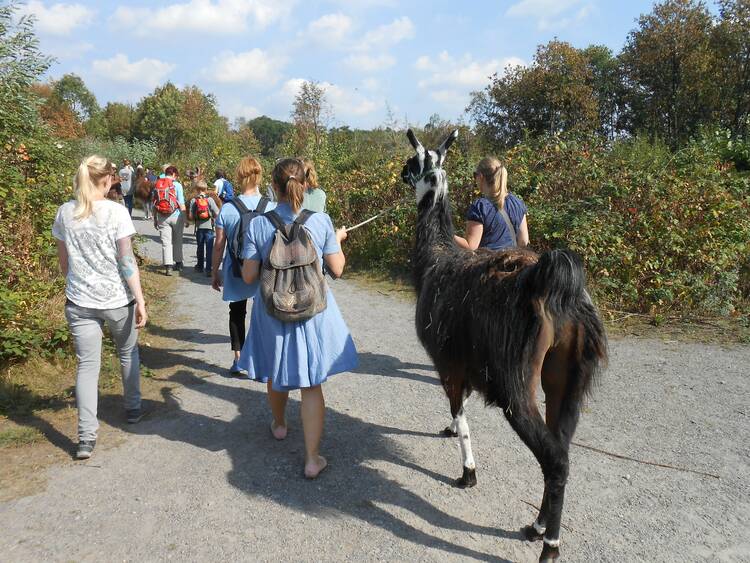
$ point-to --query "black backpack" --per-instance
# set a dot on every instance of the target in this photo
(235, 244)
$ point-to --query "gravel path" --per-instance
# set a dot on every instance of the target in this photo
(202, 479)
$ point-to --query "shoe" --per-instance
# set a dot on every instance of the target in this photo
(209, 274)
(235, 369)
(85, 448)
(198, 268)
(177, 267)
(133, 415)
(167, 270)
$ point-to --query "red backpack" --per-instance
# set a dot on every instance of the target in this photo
(165, 196)
(202, 210)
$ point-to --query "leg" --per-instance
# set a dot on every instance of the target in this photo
(129, 203)
(165, 232)
(209, 238)
(313, 415)
(179, 228)
(454, 388)
(200, 240)
(121, 323)
(277, 400)
(237, 315)
(86, 330)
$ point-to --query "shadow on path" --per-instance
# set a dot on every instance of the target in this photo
(388, 366)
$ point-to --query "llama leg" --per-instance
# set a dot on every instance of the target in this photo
(469, 476)
(452, 430)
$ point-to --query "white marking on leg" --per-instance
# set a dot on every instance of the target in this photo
(538, 528)
(454, 426)
(552, 543)
(464, 440)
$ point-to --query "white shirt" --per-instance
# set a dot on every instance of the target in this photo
(126, 175)
(219, 185)
(94, 280)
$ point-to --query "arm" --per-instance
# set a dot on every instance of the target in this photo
(62, 257)
(129, 270)
(474, 232)
(218, 253)
(250, 271)
(337, 260)
(523, 233)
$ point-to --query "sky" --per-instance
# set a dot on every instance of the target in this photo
(416, 58)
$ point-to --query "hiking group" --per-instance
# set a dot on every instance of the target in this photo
(271, 248)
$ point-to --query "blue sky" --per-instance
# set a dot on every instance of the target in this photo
(419, 58)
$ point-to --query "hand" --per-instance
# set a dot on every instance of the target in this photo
(341, 235)
(141, 316)
(215, 280)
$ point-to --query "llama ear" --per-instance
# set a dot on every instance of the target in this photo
(414, 141)
(448, 142)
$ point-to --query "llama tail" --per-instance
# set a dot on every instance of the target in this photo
(559, 281)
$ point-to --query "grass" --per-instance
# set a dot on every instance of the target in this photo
(19, 436)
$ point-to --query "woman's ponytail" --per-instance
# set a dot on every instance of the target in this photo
(289, 177)
(496, 179)
(90, 173)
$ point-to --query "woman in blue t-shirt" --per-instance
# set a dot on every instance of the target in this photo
(496, 220)
(301, 354)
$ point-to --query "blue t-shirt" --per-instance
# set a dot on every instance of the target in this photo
(229, 219)
(496, 234)
(259, 237)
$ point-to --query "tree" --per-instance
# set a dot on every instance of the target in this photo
(157, 114)
(119, 120)
(606, 82)
(311, 114)
(553, 95)
(269, 132)
(669, 70)
(72, 90)
(57, 114)
(731, 39)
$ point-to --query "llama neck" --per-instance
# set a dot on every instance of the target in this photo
(434, 233)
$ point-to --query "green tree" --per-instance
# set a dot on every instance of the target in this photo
(119, 119)
(157, 115)
(269, 132)
(669, 68)
(732, 44)
(72, 90)
(311, 114)
(606, 82)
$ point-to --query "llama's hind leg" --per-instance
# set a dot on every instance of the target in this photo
(455, 390)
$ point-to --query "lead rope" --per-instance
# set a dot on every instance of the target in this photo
(384, 212)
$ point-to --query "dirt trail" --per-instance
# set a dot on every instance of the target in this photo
(201, 478)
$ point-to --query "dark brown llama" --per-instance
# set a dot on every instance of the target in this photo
(501, 323)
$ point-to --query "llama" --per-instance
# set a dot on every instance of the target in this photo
(500, 323)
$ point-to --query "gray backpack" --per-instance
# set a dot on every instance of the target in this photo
(292, 284)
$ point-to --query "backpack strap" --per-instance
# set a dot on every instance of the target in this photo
(262, 204)
(275, 220)
(238, 203)
(304, 215)
(509, 224)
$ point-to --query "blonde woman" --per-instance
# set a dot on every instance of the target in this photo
(497, 219)
(102, 285)
(315, 198)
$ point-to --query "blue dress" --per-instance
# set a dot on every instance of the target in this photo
(229, 219)
(496, 234)
(296, 354)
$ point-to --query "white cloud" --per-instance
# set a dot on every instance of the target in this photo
(236, 109)
(254, 66)
(464, 71)
(345, 102)
(551, 14)
(149, 72)
(206, 16)
(58, 19)
(367, 63)
(387, 35)
(330, 29)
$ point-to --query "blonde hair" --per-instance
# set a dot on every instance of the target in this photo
(92, 170)
(311, 176)
(249, 173)
(496, 179)
(289, 179)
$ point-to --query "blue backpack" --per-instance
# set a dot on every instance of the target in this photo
(227, 191)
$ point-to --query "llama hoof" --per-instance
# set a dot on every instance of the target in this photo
(448, 433)
(468, 479)
(530, 533)
(549, 554)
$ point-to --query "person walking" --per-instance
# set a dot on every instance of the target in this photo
(315, 197)
(497, 219)
(296, 354)
(168, 199)
(228, 226)
(102, 286)
(223, 187)
(126, 183)
(203, 211)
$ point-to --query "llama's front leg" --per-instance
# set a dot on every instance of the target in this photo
(535, 532)
(469, 476)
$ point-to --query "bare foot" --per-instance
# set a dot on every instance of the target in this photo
(315, 468)
(278, 431)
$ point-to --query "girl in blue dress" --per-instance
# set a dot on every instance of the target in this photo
(296, 355)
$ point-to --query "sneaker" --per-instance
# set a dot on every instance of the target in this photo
(133, 415)
(235, 369)
(167, 270)
(85, 448)
(198, 268)
(177, 266)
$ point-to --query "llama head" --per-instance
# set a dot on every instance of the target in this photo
(424, 171)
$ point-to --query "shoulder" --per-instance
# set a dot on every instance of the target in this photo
(515, 203)
(478, 209)
(319, 222)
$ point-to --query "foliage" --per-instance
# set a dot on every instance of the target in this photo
(117, 150)
(270, 132)
(120, 120)
(311, 114)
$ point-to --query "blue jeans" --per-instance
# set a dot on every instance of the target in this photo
(205, 240)
(129, 203)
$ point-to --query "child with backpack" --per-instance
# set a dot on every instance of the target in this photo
(233, 220)
(297, 336)
(203, 211)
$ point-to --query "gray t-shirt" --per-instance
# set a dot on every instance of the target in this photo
(213, 210)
